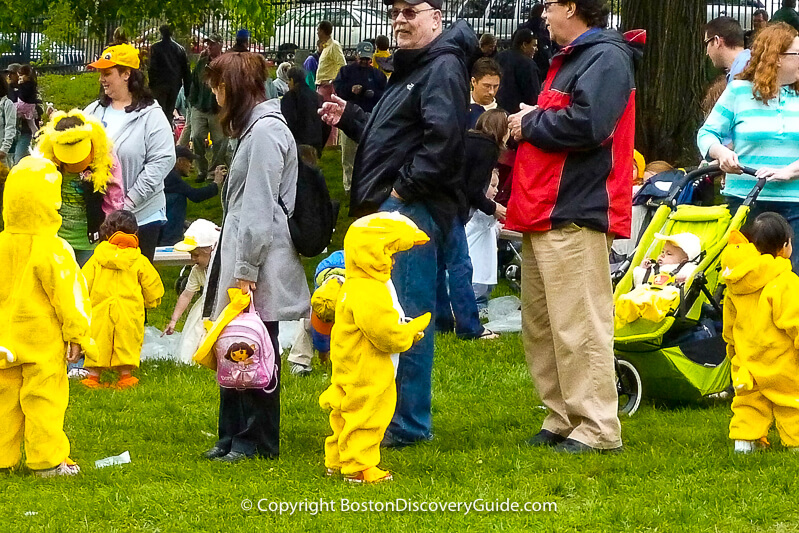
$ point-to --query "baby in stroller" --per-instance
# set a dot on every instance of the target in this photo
(658, 283)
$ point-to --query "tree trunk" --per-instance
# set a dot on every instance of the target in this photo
(670, 80)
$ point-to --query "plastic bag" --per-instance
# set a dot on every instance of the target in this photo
(505, 314)
(157, 347)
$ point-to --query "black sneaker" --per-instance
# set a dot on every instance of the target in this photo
(214, 453)
(233, 457)
(545, 438)
(576, 447)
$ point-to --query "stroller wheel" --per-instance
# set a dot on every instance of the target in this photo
(628, 386)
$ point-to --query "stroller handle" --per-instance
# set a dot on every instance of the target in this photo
(700, 173)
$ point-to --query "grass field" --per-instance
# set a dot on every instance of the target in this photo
(677, 472)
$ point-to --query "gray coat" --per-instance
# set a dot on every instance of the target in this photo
(256, 244)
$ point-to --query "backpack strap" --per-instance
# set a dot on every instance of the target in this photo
(213, 274)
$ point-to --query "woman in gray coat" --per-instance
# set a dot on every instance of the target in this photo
(255, 252)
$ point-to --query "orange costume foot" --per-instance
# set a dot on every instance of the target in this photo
(370, 475)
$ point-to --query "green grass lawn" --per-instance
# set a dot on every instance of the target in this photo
(677, 472)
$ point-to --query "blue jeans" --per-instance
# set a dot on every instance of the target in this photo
(414, 277)
(455, 273)
(789, 210)
(21, 146)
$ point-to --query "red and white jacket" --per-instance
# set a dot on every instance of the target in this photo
(575, 162)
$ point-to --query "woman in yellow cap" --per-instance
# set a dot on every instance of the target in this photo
(141, 135)
(91, 185)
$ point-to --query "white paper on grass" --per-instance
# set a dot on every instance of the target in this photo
(121, 459)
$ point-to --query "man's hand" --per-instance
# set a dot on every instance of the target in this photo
(74, 352)
(357, 89)
(515, 121)
(331, 111)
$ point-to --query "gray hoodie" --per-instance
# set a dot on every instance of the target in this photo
(146, 151)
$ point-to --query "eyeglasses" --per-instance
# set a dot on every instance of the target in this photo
(408, 13)
(547, 4)
(707, 41)
(790, 54)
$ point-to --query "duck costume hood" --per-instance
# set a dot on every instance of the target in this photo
(44, 302)
(372, 241)
(77, 143)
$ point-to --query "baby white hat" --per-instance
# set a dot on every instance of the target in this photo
(688, 242)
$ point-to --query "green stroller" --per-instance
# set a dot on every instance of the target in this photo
(682, 357)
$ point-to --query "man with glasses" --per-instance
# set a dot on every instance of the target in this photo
(409, 153)
(724, 44)
(571, 195)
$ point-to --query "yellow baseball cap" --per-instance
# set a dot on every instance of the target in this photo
(121, 54)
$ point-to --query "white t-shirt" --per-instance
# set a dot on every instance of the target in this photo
(113, 120)
(482, 232)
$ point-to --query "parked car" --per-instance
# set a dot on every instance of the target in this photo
(36, 48)
(498, 17)
(740, 10)
(297, 27)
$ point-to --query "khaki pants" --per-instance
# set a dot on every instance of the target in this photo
(203, 124)
(348, 149)
(567, 328)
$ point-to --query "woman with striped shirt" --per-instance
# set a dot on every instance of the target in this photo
(759, 113)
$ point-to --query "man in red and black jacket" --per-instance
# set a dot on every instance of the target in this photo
(571, 195)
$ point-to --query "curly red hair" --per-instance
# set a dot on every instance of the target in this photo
(762, 68)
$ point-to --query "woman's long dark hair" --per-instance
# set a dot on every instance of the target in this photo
(141, 96)
(241, 78)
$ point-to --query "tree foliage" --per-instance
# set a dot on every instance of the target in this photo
(96, 16)
(671, 78)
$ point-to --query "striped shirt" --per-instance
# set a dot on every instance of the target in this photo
(762, 136)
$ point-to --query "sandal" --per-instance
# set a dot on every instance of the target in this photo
(488, 335)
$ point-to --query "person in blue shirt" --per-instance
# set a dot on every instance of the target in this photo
(724, 45)
(178, 192)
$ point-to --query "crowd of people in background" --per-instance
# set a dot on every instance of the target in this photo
(454, 134)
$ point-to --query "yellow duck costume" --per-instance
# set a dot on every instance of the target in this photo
(122, 282)
(44, 305)
(370, 328)
(763, 345)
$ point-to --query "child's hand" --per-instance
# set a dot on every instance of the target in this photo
(646, 263)
(500, 212)
(170, 328)
(74, 352)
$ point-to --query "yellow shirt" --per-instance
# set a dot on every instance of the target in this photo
(330, 62)
(381, 54)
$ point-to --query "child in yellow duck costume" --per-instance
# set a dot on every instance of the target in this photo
(44, 306)
(761, 328)
(122, 282)
(370, 330)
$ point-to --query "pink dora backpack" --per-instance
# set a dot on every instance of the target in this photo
(244, 353)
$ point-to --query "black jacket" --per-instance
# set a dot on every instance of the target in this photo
(177, 192)
(520, 80)
(169, 66)
(300, 109)
(413, 140)
(482, 154)
(372, 80)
